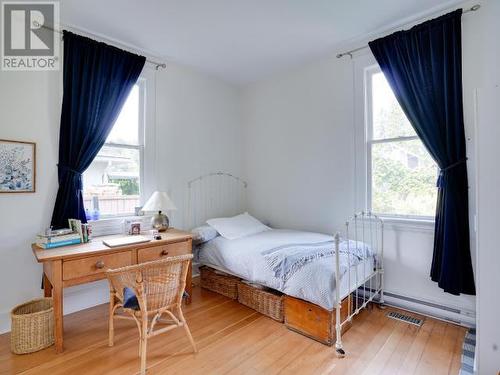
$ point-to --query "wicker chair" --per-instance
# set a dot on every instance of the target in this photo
(158, 287)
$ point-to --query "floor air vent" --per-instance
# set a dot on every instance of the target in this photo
(405, 318)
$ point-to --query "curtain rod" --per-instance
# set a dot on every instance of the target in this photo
(157, 64)
(349, 53)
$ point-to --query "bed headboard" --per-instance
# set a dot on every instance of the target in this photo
(214, 194)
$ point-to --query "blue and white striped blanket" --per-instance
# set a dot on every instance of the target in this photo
(287, 259)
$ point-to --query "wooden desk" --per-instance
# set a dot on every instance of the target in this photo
(84, 263)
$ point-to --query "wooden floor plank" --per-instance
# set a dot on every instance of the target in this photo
(273, 357)
(228, 352)
(438, 354)
(233, 339)
(417, 348)
(381, 331)
(435, 355)
(396, 361)
(378, 362)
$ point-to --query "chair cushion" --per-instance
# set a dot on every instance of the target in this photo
(130, 299)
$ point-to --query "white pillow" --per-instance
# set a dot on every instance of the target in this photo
(237, 226)
(203, 234)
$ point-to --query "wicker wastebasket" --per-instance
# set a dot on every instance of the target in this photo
(32, 326)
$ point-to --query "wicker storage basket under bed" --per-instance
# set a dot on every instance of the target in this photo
(32, 326)
(218, 282)
(265, 301)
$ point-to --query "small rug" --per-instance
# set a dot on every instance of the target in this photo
(468, 350)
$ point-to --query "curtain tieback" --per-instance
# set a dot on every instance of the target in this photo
(68, 169)
(451, 166)
(77, 174)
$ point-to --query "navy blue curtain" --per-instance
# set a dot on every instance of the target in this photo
(97, 81)
(423, 66)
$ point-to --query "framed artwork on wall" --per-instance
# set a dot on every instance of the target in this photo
(17, 166)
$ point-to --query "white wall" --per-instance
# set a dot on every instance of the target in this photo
(488, 257)
(299, 136)
(30, 110)
(299, 147)
(485, 45)
(197, 130)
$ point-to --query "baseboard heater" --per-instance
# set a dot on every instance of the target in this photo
(432, 309)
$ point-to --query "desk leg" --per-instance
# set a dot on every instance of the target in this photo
(57, 295)
(189, 284)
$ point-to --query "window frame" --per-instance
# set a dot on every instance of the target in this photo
(369, 72)
(142, 85)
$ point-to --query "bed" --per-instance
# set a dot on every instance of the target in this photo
(327, 271)
(313, 281)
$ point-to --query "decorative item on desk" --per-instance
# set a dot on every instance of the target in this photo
(88, 215)
(131, 226)
(159, 201)
(76, 226)
(89, 232)
(135, 229)
(155, 234)
(85, 232)
(95, 213)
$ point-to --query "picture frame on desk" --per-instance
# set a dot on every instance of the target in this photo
(17, 166)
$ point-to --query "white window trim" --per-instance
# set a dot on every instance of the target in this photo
(364, 66)
(141, 83)
(409, 225)
(111, 224)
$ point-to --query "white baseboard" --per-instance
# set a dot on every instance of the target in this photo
(4, 321)
(432, 309)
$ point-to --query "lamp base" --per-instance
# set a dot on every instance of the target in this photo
(160, 222)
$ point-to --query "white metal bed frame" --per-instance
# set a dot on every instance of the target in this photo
(224, 194)
(371, 286)
(212, 195)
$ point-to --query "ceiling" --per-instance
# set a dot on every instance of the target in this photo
(240, 41)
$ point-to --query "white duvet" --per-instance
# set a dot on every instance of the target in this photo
(313, 282)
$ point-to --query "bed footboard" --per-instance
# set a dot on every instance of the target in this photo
(366, 230)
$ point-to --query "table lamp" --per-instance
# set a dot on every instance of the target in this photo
(159, 201)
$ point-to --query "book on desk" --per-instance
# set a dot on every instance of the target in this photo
(51, 241)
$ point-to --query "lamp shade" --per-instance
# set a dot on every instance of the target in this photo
(159, 201)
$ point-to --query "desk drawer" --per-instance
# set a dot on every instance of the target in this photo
(73, 269)
(158, 252)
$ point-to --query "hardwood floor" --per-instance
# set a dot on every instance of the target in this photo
(233, 339)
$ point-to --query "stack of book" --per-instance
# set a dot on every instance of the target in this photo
(58, 238)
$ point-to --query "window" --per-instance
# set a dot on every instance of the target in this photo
(112, 183)
(401, 173)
